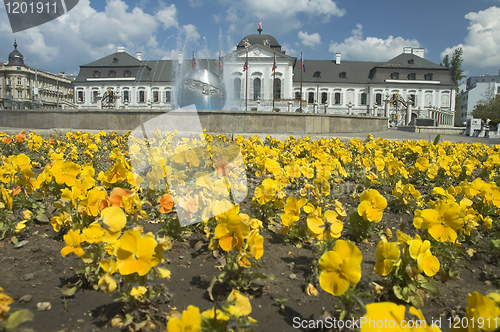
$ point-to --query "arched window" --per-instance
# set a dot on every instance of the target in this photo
(310, 98)
(277, 88)
(256, 88)
(237, 88)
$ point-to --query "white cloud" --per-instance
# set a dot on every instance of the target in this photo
(311, 40)
(481, 47)
(82, 36)
(190, 32)
(278, 16)
(168, 17)
(289, 50)
(356, 47)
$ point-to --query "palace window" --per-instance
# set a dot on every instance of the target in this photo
(126, 96)
(343, 74)
(168, 96)
(310, 99)
(378, 99)
(324, 97)
(80, 97)
(277, 88)
(127, 73)
(297, 94)
(96, 73)
(338, 98)
(237, 88)
(363, 98)
(428, 77)
(141, 96)
(156, 96)
(95, 93)
(317, 74)
(395, 75)
(412, 76)
(112, 73)
(256, 88)
(19, 81)
(20, 94)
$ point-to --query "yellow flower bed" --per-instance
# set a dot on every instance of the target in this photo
(104, 187)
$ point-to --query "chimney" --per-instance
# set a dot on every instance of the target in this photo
(418, 52)
(337, 58)
(181, 57)
(139, 56)
(407, 50)
(121, 49)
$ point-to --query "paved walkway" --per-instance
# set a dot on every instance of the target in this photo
(392, 134)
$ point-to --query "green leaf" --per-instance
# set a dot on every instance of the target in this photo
(436, 140)
(211, 287)
(19, 317)
(417, 301)
(397, 292)
(14, 240)
(495, 243)
(430, 287)
(69, 290)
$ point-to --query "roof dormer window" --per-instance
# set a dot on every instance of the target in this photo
(96, 73)
(127, 73)
(317, 74)
(412, 76)
(112, 73)
(411, 61)
(395, 75)
(343, 74)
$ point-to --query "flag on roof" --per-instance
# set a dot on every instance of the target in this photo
(301, 64)
(259, 25)
(274, 63)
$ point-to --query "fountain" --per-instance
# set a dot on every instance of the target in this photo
(201, 88)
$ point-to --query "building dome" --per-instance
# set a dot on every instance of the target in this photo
(264, 40)
(15, 57)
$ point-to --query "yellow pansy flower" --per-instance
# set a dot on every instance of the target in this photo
(387, 254)
(72, 240)
(135, 253)
(372, 205)
(190, 321)
(340, 268)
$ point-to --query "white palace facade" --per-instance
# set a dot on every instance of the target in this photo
(333, 86)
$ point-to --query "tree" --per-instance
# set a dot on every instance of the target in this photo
(455, 65)
(488, 109)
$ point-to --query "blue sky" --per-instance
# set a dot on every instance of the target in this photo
(360, 30)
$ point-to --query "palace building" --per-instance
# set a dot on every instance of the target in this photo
(24, 87)
(334, 86)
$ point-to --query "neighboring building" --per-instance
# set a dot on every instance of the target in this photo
(477, 88)
(24, 87)
(332, 86)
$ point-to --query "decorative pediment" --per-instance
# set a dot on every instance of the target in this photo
(260, 51)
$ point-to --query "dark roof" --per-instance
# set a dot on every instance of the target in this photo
(15, 57)
(407, 60)
(118, 59)
(259, 39)
(144, 71)
(330, 72)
